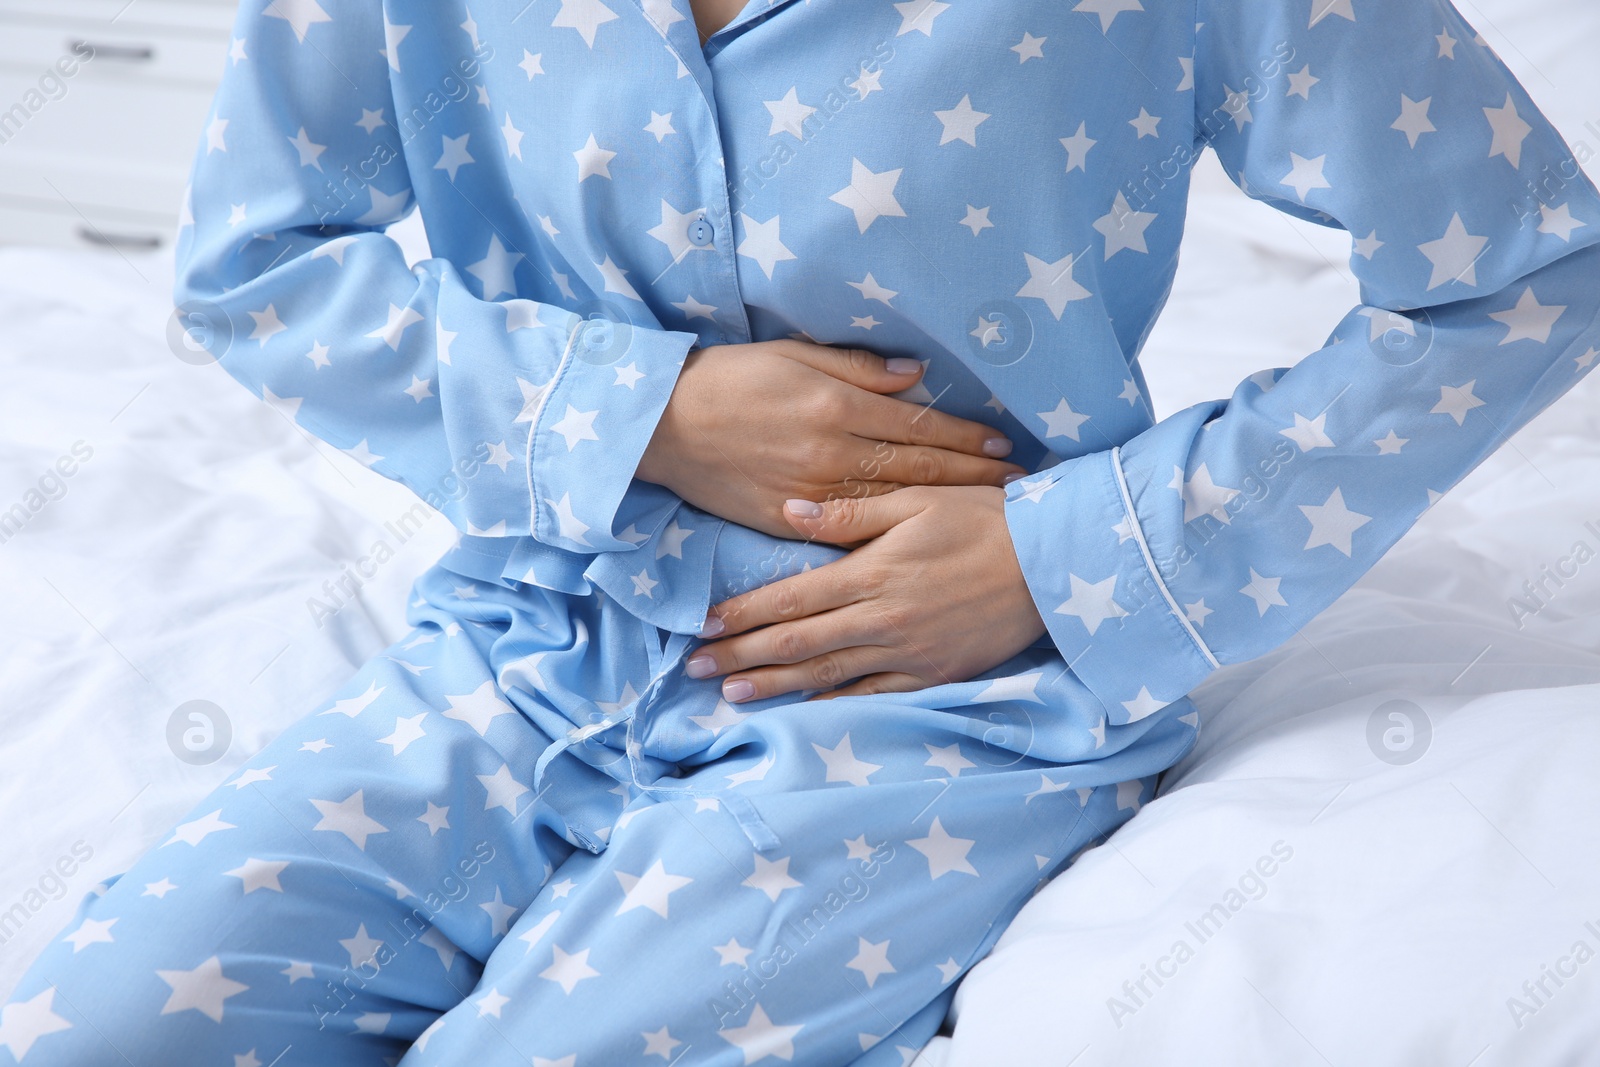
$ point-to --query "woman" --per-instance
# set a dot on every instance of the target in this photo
(687, 288)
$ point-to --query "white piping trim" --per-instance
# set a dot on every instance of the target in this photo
(1149, 561)
(538, 413)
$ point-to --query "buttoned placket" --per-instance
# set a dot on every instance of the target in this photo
(712, 225)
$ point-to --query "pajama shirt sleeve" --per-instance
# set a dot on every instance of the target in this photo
(1216, 534)
(490, 408)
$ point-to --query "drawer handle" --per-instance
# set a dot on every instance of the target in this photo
(118, 240)
(127, 53)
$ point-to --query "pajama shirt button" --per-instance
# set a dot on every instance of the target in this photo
(700, 233)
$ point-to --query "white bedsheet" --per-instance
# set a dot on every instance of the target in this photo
(179, 562)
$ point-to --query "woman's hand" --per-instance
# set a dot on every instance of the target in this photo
(749, 426)
(934, 594)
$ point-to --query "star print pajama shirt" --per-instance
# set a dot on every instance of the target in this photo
(522, 834)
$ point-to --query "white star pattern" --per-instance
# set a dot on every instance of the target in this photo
(659, 126)
(91, 932)
(197, 830)
(495, 269)
(393, 35)
(789, 115)
(1332, 523)
(1306, 175)
(761, 1038)
(307, 151)
(1529, 320)
(257, 874)
(732, 954)
(1030, 47)
(576, 426)
(649, 890)
(842, 764)
(1454, 256)
(1052, 282)
(1143, 705)
(513, 138)
(960, 123)
(392, 330)
(1456, 401)
(1307, 433)
(722, 717)
(1264, 591)
(267, 325)
(585, 16)
(348, 817)
(762, 244)
(948, 758)
(1092, 602)
(203, 989)
(919, 15)
(1123, 227)
(301, 15)
(1202, 495)
(406, 730)
(567, 969)
(946, 854)
(501, 790)
(1077, 147)
(872, 960)
(455, 155)
(1321, 9)
(1559, 221)
(1510, 131)
(1062, 421)
(1413, 120)
(771, 877)
(479, 708)
(870, 196)
(593, 161)
(1108, 10)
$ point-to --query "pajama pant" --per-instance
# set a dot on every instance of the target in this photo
(523, 835)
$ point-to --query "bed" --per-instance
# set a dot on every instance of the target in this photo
(1382, 850)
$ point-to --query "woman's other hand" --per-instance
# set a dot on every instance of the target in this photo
(749, 426)
(934, 594)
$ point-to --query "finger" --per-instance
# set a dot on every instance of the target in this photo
(847, 519)
(920, 465)
(796, 597)
(821, 672)
(884, 418)
(886, 682)
(857, 366)
(859, 488)
(789, 642)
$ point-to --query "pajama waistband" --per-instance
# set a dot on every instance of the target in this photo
(691, 561)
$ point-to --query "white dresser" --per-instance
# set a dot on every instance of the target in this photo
(96, 151)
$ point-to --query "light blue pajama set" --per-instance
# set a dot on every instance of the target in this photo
(522, 834)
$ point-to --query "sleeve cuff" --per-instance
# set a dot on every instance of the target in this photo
(1089, 570)
(593, 424)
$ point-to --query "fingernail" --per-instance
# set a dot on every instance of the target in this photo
(997, 447)
(738, 690)
(805, 509)
(700, 666)
(713, 626)
(1013, 476)
(902, 365)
